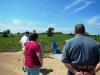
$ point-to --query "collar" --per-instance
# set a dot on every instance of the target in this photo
(79, 35)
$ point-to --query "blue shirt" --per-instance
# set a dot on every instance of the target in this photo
(82, 53)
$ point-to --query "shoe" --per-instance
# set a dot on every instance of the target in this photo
(24, 69)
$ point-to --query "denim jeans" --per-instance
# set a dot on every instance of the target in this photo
(32, 71)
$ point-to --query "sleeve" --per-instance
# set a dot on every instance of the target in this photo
(65, 53)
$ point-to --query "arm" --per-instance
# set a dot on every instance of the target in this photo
(71, 69)
(40, 57)
(97, 68)
(66, 60)
(39, 54)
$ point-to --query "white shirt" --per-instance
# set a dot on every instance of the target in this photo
(24, 40)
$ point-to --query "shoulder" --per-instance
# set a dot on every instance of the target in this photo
(23, 37)
(37, 43)
(27, 43)
(92, 40)
(72, 39)
(69, 41)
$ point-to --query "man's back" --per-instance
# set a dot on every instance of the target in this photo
(81, 54)
(81, 50)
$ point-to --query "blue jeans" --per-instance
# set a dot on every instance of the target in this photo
(32, 71)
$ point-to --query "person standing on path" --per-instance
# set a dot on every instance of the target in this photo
(81, 54)
(33, 56)
(23, 41)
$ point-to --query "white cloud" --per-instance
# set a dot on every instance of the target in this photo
(65, 29)
(83, 4)
(52, 25)
(17, 22)
(59, 28)
(91, 21)
(31, 23)
(76, 2)
(94, 20)
(83, 7)
(17, 25)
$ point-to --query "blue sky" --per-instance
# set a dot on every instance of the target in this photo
(63, 15)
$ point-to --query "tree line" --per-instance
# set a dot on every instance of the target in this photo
(6, 33)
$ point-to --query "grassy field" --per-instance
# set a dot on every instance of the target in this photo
(11, 44)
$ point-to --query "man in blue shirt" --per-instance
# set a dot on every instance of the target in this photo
(81, 55)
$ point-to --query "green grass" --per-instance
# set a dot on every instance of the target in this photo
(47, 41)
(11, 44)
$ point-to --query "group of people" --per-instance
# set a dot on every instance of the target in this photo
(81, 54)
(32, 54)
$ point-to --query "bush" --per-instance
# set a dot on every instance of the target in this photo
(5, 34)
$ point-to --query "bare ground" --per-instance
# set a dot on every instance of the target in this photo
(11, 64)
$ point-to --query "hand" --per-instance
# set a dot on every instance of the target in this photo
(79, 73)
(88, 73)
(91, 73)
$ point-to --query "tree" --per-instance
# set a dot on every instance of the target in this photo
(5, 34)
(50, 31)
(18, 33)
(8, 31)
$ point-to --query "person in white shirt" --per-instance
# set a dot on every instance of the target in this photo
(23, 41)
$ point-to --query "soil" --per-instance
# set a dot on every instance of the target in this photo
(11, 64)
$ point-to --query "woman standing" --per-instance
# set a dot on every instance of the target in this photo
(33, 56)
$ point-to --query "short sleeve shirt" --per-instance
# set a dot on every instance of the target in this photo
(31, 50)
(24, 40)
(81, 51)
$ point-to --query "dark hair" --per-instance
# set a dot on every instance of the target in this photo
(33, 37)
(79, 29)
(27, 32)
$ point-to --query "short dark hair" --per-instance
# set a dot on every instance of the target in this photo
(27, 32)
(79, 29)
(33, 37)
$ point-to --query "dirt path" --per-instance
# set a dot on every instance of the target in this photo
(7, 69)
(11, 64)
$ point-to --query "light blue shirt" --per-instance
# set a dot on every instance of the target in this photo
(81, 51)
